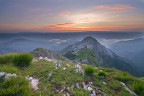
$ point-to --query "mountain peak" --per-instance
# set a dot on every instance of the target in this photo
(89, 39)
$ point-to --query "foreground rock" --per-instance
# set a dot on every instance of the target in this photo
(7, 75)
(126, 88)
(33, 82)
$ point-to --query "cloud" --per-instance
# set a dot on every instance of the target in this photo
(73, 27)
(63, 25)
(117, 8)
(64, 13)
(57, 41)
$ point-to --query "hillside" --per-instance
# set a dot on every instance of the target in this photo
(91, 52)
(66, 79)
(132, 50)
(27, 45)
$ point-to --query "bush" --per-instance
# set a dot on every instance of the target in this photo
(102, 74)
(9, 69)
(22, 60)
(6, 59)
(138, 87)
(125, 77)
(15, 87)
(89, 70)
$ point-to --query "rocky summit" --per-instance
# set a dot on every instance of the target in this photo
(90, 51)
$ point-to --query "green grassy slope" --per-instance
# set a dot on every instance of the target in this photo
(61, 78)
(85, 55)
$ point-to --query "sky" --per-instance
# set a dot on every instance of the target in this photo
(71, 15)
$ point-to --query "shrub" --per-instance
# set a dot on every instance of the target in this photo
(6, 59)
(138, 87)
(22, 60)
(89, 70)
(15, 87)
(102, 74)
(70, 55)
(125, 77)
(9, 69)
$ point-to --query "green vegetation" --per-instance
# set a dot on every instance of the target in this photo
(85, 55)
(39, 49)
(9, 69)
(101, 74)
(136, 83)
(89, 70)
(22, 60)
(65, 78)
(14, 87)
(6, 59)
(138, 87)
(125, 77)
(70, 55)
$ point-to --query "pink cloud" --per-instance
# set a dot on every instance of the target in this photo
(64, 13)
(118, 7)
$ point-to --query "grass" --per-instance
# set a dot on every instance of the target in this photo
(101, 74)
(22, 60)
(89, 70)
(9, 69)
(15, 87)
(65, 78)
(7, 58)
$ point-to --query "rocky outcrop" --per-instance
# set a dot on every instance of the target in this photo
(98, 53)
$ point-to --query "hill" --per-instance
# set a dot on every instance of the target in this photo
(66, 79)
(132, 50)
(28, 45)
(91, 52)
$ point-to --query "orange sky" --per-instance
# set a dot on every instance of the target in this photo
(117, 16)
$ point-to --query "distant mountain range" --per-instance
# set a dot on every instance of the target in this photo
(132, 50)
(26, 45)
(90, 51)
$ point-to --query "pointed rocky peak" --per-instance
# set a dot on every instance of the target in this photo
(89, 39)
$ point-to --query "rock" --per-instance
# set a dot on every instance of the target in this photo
(90, 83)
(89, 88)
(104, 83)
(34, 60)
(56, 66)
(50, 74)
(59, 65)
(78, 68)
(64, 68)
(126, 88)
(72, 86)
(93, 93)
(9, 75)
(40, 58)
(68, 65)
(68, 88)
(83, 73)
(2, 74)
(77, 85)
(33, 82)
(95, 67)
(46, 59)
(84, 85)
(62, 90)
(68, 94)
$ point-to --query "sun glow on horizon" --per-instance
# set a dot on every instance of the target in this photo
(85, 17)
